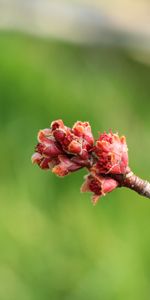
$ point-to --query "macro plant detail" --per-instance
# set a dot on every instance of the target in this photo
(64, 150)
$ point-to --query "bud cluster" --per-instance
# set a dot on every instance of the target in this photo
(64, 150)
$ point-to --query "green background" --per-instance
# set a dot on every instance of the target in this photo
(53, 243)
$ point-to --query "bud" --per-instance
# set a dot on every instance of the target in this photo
(42, 161)
(47, 144)
(57, 124)
(47, 150)
(112, 154)
(65, 166)
(64, 136)
(83, 130)
(99, 185)
(78, 140)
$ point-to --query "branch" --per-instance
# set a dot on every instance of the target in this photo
(137, 184)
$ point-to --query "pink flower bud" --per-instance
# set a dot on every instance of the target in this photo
(47, 144)
(47, 150)
(99, 185)
(43, 162)
(57, 124)
(112, 153)
(62, 134)
(78, 140)
(83, 130)
(65, 166)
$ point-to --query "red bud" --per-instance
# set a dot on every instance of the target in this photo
(99, 185)
(112, 153)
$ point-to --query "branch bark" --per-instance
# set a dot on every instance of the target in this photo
(133, 182)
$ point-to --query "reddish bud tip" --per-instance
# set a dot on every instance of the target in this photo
(75, 147)
(83, 130)
(57, 124)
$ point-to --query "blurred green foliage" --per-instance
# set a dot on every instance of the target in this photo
(54, 243)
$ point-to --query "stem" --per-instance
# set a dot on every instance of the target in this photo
(135, 183)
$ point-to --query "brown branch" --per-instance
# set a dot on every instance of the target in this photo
(134, 182)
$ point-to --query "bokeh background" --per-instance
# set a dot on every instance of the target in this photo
(76, 61)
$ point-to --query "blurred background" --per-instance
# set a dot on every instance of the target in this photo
(75, 60)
